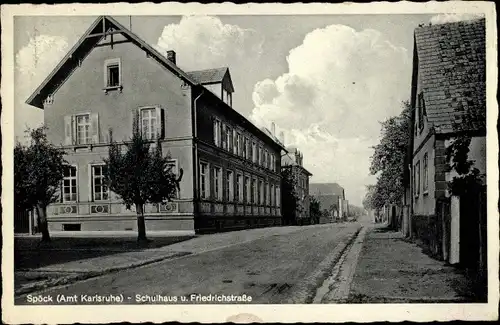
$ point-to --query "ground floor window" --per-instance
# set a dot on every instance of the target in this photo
(100, 191)
(69, 185)
(218, 183)
(204, 181)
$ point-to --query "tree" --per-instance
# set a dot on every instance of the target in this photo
(387, 162)
(314, 209)
(292, 205)
(38, 172)
(140, 175)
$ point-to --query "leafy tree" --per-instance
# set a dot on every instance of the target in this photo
(38, 172)
(314, 209)
(292, 205)
(140, 175)
(387, 162)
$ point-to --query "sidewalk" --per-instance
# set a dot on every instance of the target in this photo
(390, 269)
(35, 279)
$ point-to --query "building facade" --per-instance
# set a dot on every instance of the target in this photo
(331, 197)
(228, 169)
(448, 101)
(292, 162)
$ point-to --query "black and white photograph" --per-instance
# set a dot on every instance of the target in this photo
(243, 163)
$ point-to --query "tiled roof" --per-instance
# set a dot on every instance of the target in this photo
(326, 189)
(208, 75)
(452, 71)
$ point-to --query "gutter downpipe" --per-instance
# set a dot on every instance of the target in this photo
(196, 171)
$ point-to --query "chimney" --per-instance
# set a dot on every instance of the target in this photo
(282, 137)
(273, 129)
(171, 56)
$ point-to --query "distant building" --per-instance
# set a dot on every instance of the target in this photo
(229, 169)
(331, 197)
(293, 161)
(448, 101)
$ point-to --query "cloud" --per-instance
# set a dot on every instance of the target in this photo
(34, 62)
(204, 41)
(340, 82)
(450, 18)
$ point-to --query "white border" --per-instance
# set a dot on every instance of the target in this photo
(267, 313)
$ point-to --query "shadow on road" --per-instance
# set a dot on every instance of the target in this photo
(29, 254)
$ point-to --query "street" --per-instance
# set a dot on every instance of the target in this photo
(270, 269)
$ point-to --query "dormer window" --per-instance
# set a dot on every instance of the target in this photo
(421, 111)
(112, 74)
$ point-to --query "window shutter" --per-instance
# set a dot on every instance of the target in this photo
(160, 120)
(94, 120)
(68, 130)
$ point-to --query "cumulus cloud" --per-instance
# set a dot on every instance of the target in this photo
(34, 62)
(450, 18)
(204, 41)
(340, 83)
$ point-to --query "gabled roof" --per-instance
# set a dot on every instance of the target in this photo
(326, 189)
(211, 76)
(452, 71)
(85, 44)
(208, 75)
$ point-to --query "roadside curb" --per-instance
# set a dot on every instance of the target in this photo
(84, 275)
(306, 290)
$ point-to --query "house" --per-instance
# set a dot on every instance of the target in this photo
(229, 169)
(292, 162)
(448, 102)
(331, 197)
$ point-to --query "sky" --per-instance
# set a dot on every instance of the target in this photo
(326, 81)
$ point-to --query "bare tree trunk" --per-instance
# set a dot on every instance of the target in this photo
(42, 222)
(141, 225)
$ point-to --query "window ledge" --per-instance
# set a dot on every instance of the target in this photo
(108, 89)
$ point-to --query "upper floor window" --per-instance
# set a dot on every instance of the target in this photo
(254, 152)
(224, 136)
(83, 129)
(261, 156)
(217, 132)
(421, 111)
(229, 138)
(112, 73)
(425, 172)
(151, 122)
(238, 144)
(69, 185)
(100, 191)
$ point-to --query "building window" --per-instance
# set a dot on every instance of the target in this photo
(223, 137)
(239, 145)
(99, 189)
(172, 164)
(268, 194)
(229, 139)
(278, 196)
(265, 158)
(112, 73)
(255, 192)
(421, 111)
(69, 185)
(218, 183)
(248, 190)
(83, 129)
(426, 174)
(417, 179)
(230, 186)
(254, 152)
(261, 192)
(149, 123)
(217, 133)
(204, 181)
(239, 188)
(272, 195)
(261, 156)
(235, 143)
